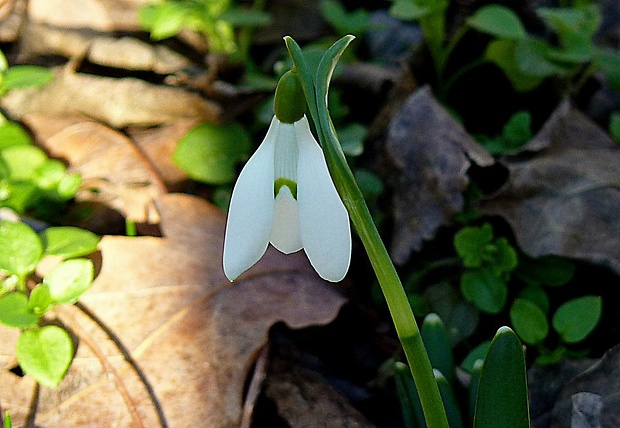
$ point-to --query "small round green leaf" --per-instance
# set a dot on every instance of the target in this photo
(40, 300)
(12, 134)
(498, 21)
(529, 321)
(23, 160)
(69, 280)
(20, 248)
(470, 243)
(69, 242)
(576, 319)
(476, 354)
(45, 354)
(502, 53)
(485, 289)
(14, 311)
(210, 153)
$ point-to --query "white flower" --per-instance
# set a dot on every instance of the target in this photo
(285, 195)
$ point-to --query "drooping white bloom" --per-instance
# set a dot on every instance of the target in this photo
(285, 196)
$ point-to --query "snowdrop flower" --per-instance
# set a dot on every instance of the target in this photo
(285, 196)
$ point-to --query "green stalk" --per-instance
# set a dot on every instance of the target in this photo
(398, 304)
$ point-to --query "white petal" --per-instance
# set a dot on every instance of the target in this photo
(250, 215)
(285, 234)
(323, 219)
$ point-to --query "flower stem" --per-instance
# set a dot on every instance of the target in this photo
(398, 304)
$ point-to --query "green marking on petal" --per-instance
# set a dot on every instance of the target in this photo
(289, 103)
(285, 182)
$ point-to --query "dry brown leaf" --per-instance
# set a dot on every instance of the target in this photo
(427, 154)
(565, 200)
(159, 144)
(578, 394)
(118, 102)
(114, 171)
(124, 53)
(101, 15)
(190, 335)
(11, 19)
(304, 399)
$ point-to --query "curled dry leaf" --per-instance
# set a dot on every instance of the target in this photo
(174, 340)
(118, 102)
(114, 172)
(427, 155)
(566, 199)
(577, 394)
(124, 53)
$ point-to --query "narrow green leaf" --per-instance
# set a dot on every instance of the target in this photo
(68, 242)
(69, 280)
(529, 321)
(453, 412)
(474, 383)
(576, 319)
(20, 248)
(210, 153)
(498, 21)
(26, 76)
(502, 400)
(413, 416)
(45, 354)
(7, 421)
(14, 311)
(437, 342)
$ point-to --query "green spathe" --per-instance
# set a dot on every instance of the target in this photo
(289, 104)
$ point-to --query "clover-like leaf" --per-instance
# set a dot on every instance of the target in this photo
(485, 289)
(12, 134)
(45, 354)
(14, 311)
(498, 21)
(23, 160)
(69, 280)
(210, 153)
(40, 299)
(68, 242)
(529, 321)
(576, 319)
(20, 248)
(470, 244)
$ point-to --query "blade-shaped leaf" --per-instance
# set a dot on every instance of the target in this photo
(502, 400)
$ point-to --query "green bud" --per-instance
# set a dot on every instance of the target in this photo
(290, 103)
